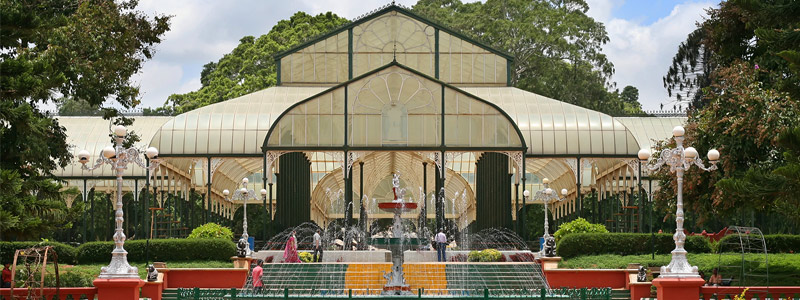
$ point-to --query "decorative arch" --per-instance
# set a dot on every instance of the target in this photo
(352, 116)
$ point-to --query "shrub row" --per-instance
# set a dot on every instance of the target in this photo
(578, 244)
(160, 250)
(66, 253)
(776, 243)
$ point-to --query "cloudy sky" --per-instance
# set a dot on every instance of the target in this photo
(644, 36)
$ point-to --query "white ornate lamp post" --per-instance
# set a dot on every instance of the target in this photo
(244, 194)
(546, 195)
(225, 193)
(679, 160)
(118, 157)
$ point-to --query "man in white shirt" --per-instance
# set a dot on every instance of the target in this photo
(317, 247)
(441, 245)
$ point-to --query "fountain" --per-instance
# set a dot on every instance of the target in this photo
(396, 283)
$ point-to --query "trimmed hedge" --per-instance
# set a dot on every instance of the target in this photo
(574, 245)
(160, 250)
(66, 253)
(776, 243)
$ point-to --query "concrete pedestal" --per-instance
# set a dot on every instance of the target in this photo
(678, 288)
(639, 290)
(549, 263)
(154, 289)
(241, 262)
(118, 289)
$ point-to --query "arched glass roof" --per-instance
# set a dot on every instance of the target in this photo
(552, 127)
(394, 106)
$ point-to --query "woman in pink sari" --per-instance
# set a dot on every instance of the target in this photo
(290, 253)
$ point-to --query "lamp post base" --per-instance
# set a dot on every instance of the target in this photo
(119, 268)
(679, 267)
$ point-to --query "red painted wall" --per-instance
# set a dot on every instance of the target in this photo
(587, 278)
(205, 278)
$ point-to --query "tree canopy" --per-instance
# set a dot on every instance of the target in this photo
(51, 51)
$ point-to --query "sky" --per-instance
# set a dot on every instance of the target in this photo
(644, 35)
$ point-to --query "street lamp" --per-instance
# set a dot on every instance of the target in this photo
(244, 194)
(225, 193)
(679, 160)
(546, 195)
(118, 157)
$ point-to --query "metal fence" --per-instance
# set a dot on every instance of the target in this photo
(542, 294)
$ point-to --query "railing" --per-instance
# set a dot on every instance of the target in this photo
(753, 292)
(75, 293)
(542, 294)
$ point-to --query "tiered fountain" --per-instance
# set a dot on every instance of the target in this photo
(396, 283)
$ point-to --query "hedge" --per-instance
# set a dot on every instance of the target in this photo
(66, 253)
(160, 250)
(776, 243)
(574, 245)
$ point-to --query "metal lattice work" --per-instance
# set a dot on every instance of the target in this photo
(31, 264)
(743, 259)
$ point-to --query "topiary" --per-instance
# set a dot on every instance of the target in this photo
(579, 225)
(211, 231)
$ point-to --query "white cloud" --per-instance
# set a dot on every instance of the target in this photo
(601, 10)
(642, 54)
(157, 81)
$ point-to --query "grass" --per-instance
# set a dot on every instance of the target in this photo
(94, 269)
(784, 268)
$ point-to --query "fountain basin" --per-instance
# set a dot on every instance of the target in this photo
(397, 206)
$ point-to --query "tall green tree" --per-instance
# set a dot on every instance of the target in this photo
(558, 48)
(250, 66)
(763, 32)
(740, 70)
(50, 51)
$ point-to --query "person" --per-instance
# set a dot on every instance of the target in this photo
(441, 245)
(257, 272)
(290, 253)
(317, 247)
(716, 278)
(6, 279)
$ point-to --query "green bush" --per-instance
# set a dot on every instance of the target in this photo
(66, 253)
(776, 243)
(211, 231)
(579, 225)
(578, 244)
(487, 255)
(160, 250)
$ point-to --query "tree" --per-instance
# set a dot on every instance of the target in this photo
(250, 66)
(51, 51)
(630, 94)
(75, 107)
(740, 69)
(761, 32)
(742, 118)
(557, 47)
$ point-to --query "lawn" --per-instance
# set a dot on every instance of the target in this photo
(784, 268)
